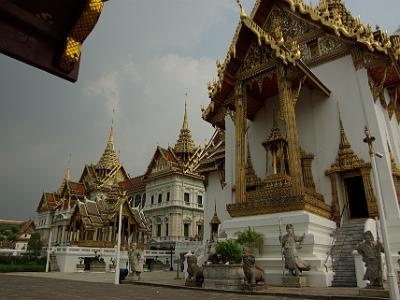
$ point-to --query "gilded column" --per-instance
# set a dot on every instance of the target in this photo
(369, 192)
(335, 199)
(287, 100)
(240, 128)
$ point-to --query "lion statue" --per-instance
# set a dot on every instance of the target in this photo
(254, 275)
(195, 272)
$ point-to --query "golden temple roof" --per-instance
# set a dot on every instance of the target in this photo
(185, 144)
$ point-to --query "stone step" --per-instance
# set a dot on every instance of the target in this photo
(344, 283)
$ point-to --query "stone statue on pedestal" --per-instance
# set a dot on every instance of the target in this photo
(371, 250)
(136, 260)
(289, 250)
(254, 275)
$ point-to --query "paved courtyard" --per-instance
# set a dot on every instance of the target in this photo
(155, 285)
(39, 288)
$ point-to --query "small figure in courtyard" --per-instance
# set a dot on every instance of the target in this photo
(195, 273)
(371, 250)
(135, 256)
(254, 275)
(289, 249)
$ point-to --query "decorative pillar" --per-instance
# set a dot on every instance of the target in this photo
(287, 100)
(335, 199)
(240, 130)
(369, 192)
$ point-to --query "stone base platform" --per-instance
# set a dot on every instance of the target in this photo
(368, 292)
(314, 248)
(191, 283)
(294, 281)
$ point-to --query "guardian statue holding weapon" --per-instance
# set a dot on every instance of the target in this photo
(290, 242)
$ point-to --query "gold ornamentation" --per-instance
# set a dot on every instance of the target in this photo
(342, 23)
(306, 166)
(185, 145)
(348, 162)
(240, 125)
(85, 24)
(377, 90)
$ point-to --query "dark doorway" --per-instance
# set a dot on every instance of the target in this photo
(356, 197)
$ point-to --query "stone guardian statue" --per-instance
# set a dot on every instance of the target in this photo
(289, 250)
(136, 260)
(371, 250)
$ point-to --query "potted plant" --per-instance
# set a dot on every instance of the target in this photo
(229, 251)
(250, 240)
(226, 270)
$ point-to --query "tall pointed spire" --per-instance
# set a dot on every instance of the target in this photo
(109, 158)
(185, 124)
(184, 145)
(344, 142)
(67, 175)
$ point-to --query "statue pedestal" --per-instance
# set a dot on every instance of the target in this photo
(370, 292)
(314, 248)
(223, 277)
(294, 281)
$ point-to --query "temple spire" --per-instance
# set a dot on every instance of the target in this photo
(344, 142)
(67, 175)
(109, 158)
(184, 145)
(185, 124)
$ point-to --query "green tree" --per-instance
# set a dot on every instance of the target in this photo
(35, 244)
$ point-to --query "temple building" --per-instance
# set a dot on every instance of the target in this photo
(291, 101)
(171, 192)
(81, 218)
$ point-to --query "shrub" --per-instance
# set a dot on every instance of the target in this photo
(251, 239)
(230, 251)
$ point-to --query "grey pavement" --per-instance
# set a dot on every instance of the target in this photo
(19, 287)
(92, 284)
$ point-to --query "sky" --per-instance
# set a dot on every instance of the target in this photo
(141, 59)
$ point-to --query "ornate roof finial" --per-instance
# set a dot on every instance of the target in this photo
(215, 219)
(109, 158)
(344, 142)
(185, 145)
(242, 12)
(185, 121)
(67, 175)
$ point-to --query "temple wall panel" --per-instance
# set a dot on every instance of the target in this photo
(221, 196)
(229, 157)
(259, 130)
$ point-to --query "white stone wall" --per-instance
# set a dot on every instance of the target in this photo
(174, 212)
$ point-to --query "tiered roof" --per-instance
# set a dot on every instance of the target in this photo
(109, 158)
(330, 18)
(213, 157)
(185, 144)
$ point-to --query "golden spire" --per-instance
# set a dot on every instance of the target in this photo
(344, 142)
(67, 175)
(185, 121)
(185, 145)
(109, 158)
